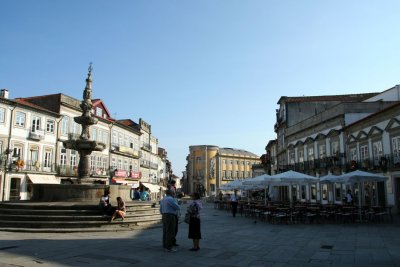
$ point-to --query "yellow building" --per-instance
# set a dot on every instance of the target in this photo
(209, 167)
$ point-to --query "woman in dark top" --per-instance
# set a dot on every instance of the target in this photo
(194, 223)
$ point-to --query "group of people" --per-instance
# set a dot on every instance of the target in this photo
(170, 211)
(108, 210)
(141, 195)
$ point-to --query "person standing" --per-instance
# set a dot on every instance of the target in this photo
(194, 222)
(234, 202)
(172, 188)
(349, 198)
(168, 208)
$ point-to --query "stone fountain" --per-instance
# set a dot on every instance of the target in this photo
(84, 189)
(83, 144)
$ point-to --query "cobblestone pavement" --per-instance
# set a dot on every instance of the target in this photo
(227, 241)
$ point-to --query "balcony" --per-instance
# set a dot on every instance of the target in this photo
(145, 163)
(146, 146)
(116, 148)
(36, 135)
(67, 170)
(154, 166)
(33, 166)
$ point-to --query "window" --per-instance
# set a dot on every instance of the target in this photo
(396, 149)
(353, 153)
(121, 139)
(291, 157)
(335, 148)
(94, 134)
(35, 124)
(65, 126)
(73, 158)
(301, 156)
(303, 190)
(99, 111)
(50, 126)
(47, 159)
(34, 156)
(223, 174)
(2, 115)
(338, 192)
(113, 163)
(313, 192)
(17, 151)
(224, 162)
(378, 152)
(119, 164)
(114, 138)
(324, 191)
(63, 158)
(92, 163)
(198, 160)
(322, 151)
(100, 135)
(20, 119)
(75, 127)
(364, 152)
(105, 160)
(310, 155)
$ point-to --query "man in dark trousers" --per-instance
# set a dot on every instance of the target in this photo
(169, 208)
(172, 188)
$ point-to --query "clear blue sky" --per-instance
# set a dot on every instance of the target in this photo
(200, 72)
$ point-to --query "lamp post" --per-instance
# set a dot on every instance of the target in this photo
(4, 157)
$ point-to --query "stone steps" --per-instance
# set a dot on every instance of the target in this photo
(74, 217)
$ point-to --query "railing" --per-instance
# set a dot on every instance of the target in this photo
(36, 134)
(146, 146)
(145, 163)
(67, 170)
(153, 166)
(36, 166)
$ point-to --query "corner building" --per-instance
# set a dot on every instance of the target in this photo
(208, 167)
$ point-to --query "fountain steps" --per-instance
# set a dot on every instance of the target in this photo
(74, 217)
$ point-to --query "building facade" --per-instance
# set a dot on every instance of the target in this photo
(339, 134)
(208, 167)
(31, 146)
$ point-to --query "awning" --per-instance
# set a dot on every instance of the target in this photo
(125, 181)
(43, 179)
(153, 187)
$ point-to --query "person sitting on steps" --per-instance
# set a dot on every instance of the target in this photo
(120, 211)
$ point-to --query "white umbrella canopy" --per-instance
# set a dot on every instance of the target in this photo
(261, 181)
(236, 184)
(330, 178)
(291, 177)
(361, 176)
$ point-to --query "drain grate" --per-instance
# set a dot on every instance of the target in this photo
(326, 247)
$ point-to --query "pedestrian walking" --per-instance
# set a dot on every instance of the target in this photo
(168, 208)
(194, 223)
(234, 202)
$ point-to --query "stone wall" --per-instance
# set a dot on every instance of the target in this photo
(78, 192)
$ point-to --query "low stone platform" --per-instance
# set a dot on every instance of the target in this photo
(24, 216)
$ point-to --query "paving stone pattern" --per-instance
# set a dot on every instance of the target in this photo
(226, 242)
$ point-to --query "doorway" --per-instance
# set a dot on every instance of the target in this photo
(15, 188)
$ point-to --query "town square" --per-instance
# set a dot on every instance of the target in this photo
(212, 133)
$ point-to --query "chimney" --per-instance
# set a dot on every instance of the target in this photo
(4, 93)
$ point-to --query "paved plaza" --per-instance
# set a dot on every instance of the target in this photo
(227, 241)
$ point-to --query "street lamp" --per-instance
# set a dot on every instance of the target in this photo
(4, 157)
